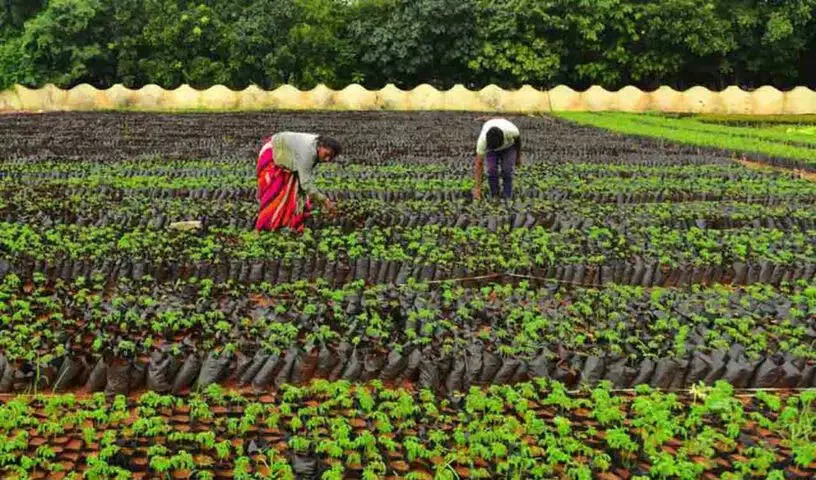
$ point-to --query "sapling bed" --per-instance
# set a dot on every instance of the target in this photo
(338, 430)
(418, 334)
(590, 207)
(590, 254)
(444, 337)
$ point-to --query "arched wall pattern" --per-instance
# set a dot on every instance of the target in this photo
(762, 101)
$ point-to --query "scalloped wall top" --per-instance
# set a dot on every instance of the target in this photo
(490, 98)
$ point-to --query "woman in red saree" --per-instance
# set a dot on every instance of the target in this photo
(286, 188)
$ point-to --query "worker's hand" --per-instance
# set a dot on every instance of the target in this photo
(477, 193)
(330, 207)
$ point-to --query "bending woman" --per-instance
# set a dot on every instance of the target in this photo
(286, 188)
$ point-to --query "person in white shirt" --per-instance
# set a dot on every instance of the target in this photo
(499, 142)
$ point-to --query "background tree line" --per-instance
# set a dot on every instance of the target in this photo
(612, 43)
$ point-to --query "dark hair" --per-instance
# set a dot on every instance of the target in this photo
(329, 143)
(495, 138)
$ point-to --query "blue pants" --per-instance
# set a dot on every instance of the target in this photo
(506, 161)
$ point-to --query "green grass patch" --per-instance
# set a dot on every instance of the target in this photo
(808, 130)
(795, 145)
(758, 120)
(784, 134)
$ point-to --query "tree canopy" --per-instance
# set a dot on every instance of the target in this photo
(612, 43)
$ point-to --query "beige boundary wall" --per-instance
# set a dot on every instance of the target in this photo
(763, 101)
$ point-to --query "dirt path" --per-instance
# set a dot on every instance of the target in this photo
(803, 174)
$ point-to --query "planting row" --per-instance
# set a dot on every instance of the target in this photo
(368, 137)
(241, 194)
(540, 180)
(333, 431)
(648, 256)
(134, 211)
(173, 337)
(394, 272)
(156, 170)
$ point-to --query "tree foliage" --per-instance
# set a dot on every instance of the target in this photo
(407, 42)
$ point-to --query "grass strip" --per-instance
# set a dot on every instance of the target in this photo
(632, 124)
(757, 120)
(773, 135)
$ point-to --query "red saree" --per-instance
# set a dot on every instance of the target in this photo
(279, 196)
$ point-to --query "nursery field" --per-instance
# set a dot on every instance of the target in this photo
(641, 308)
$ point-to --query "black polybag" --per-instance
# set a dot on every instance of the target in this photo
(266, 374)
(118, 377)
(395, 364)
(214, 369)
(255, 364)
(161, 372)
(98, 377)
(187, 373)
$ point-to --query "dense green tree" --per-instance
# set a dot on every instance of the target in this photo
(408, 42)
(259, 29)
(14, 12)
(309, 48)
(772, 38)
(65, 44)
(521, 41)
(442, 42)
(617, 42)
